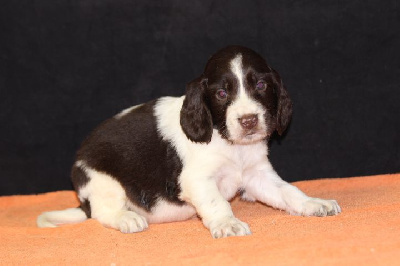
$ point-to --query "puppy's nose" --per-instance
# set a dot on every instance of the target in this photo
(248, 121)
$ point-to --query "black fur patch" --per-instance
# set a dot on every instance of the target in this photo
(79, 178)
(131, 150)
(85, 206)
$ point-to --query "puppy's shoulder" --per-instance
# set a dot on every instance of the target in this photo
(167, 112)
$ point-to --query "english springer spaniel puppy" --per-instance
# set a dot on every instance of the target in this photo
(172, 158)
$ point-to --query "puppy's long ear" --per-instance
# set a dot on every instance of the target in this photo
(284, 112)
(196, 120)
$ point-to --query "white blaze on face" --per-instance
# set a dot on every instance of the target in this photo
(242, 105)
(237, 69)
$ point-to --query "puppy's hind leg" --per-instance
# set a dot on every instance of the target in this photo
(108, 203)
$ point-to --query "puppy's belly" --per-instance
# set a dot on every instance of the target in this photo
(165, 212)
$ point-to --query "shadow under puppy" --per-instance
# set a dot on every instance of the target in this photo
(172, 158)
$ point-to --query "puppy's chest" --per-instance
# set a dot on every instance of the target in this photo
(233, 173)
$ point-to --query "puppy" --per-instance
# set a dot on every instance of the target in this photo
(172, 158)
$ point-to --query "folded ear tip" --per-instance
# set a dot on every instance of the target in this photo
(281, 130)
(283, 122)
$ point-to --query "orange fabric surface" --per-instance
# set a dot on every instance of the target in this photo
(367, 232)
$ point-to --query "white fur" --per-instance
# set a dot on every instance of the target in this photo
(56, 218)
(165, 212)
(243, 105)
(237, 70)
(127, 111)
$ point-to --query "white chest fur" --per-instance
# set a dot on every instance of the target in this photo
(239, 164)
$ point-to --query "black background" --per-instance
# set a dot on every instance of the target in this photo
(65, 66)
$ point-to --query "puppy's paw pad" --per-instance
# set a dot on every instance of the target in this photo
(130, 222)
(229, 227)
(320, 207)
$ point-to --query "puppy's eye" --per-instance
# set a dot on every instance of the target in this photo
(261, 85)
(222, 94)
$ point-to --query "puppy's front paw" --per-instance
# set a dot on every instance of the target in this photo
(320, 207)
(229, 227)
(129, 222)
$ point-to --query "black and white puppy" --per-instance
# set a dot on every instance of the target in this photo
(172, 158)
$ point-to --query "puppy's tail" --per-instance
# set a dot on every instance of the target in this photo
(56, 218)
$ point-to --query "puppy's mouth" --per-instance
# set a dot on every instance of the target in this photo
(250, 133)
(250, 137)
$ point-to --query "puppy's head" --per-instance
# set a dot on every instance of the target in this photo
(239, 95)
